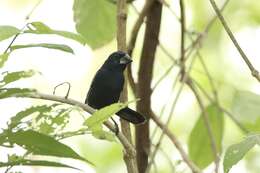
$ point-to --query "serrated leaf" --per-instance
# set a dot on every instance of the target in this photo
(102, 29)
(7, 32)
(237, 151)
(16, 92)
(21, 115)
(40, 144)
(203, 156)
(3, 58)
(41, 28)
(246, 109)
(61, 47)
(103, 114)
(14, 76)
(27, 112)
(26, 162)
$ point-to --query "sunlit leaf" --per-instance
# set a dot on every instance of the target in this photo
(26, 162)
(16, 92)
(199, 145)
(40, 144)
(237, 151)
(3, 59)
(246, 109)
(7, 32)
(14, 76)
(98, 132)
(61, 47)
(41, 28)
(41, 109)
(101, 30)
(103, 114)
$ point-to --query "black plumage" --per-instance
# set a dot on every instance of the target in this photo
(107, 85)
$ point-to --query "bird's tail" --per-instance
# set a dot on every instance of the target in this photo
(131, 116)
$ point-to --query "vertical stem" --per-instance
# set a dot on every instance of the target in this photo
(183, 29)
(144, 82)
(129, 157)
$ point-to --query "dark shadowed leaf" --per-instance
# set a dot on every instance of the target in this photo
(3, 59)
(199, 142)
(237, 151)
(40, 144)
(246, 109)
(61, 47)
(14, 76)
(95, 20)
(41, 28)
(7, 32)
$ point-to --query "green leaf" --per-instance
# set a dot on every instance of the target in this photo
(98, 132)
(103, 114)
(26, 162)
(14, 76)
(7, 32)
(246, 109)
(16, 92)
(3, 59)
(41, 109)
(41, 28)
(40, 144)
(237, 151)
(199, 144)
(61, 47)
(102, 29)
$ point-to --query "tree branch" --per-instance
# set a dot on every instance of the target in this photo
(207, 124)
(176, 142)
(129, 157)
(126, 144)
(145, 75)
(254, 72)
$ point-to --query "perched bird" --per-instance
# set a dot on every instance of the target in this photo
(107, 85)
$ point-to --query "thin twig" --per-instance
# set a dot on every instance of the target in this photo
(68, 91)
(153, 154)
(127, 145)
(137, 26)
(198, 40)
(176, 142)
(254, 72)
(129, 158)
(205, 117)
(183, 31)
(229, 114)
(26, 21)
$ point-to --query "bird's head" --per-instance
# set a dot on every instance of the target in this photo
(117, 61)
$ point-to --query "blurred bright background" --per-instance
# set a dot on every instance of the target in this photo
(225, 64)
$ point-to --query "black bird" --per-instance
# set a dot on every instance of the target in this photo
(107, 85)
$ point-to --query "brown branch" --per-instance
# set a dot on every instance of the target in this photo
(127, 146)
(137, 26)
(176, 142)
(183, 31)
(205, 117)
(132, 42)
(254, 72)
(129, 158)
(145, 75)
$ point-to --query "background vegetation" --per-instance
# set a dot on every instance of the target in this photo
(194, 69)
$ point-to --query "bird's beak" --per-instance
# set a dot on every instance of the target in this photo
(126, 59)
